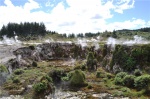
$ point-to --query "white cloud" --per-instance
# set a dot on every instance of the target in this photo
(148, 24)
(129, 24)
(30, 5)
(11, 13)
(80, 16)
(8, 3)
(124, 5)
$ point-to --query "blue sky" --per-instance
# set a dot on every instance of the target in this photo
(76, 16)
(141, 10)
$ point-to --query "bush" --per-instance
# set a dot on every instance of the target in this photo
(41, 86)
(124, 89)
(105, 79)
(128, 80)
(68, 76)
(18, 71)
(109, 76)
(89, 86)
(83, 67)
(130, 64)
(119, 78)
(34, 64)
(48, 78)
(91, 61)
(44, 86)
(98, 74)
(142, 82)
(3, 68)
(137, 72)
(65, 78)
(77, 78)
(16, 80)
(56, 74)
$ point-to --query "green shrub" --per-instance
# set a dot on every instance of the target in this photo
(142, 82)
(129, 57)
(91, 61)
(119, 56)
(89, 86)
(68, 76)
(18, 71)
(105, 79)
(104, 50)
(98, 74)
(16, 80)
(41, 86)
(48, 78)
(130, 64)
(124, 89)
(44, 86)
(122, 57)
(137, 72)
(109, 75)
(119, 78)
(3, 68)
(83, 67)
(105, 61)
(77, 78)
(65, 78)
(56, 74)
(128, 81)
(34, 64)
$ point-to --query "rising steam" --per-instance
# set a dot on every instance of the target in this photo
(136, 40)
(10, 41)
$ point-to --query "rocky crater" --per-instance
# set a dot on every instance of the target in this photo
(43, 66)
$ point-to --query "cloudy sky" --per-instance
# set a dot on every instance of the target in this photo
(78, 16)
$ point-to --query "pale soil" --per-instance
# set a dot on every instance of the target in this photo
(6, 52)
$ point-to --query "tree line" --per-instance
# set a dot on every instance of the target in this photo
(32, 30)
(23, 29)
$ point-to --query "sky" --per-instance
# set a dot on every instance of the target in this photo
(78, 16)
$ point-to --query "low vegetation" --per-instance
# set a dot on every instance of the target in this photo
(96, 73)
(121, 84)
(77, 78)
(3, 68)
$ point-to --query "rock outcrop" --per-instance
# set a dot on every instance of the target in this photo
(119, 58)
(51, 51)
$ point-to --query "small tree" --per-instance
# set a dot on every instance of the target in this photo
(142, 82)
(41, 86)
(137, 72)
(128, 81)
(119, 78)
(77, 78)
(3, 68)
(91, 61)
(114, 35)
(18, 71)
